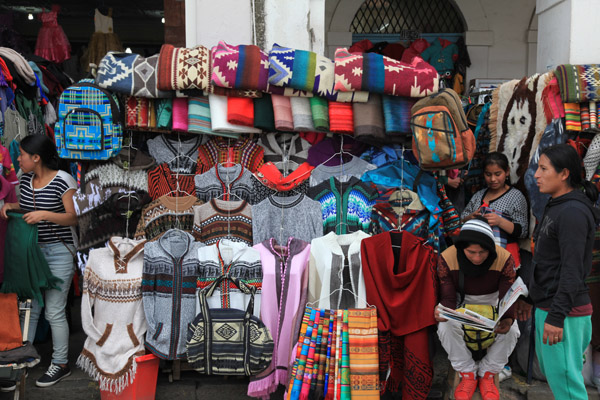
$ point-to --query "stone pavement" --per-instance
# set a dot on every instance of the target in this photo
(193, 386)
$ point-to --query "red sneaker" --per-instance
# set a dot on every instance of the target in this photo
(488, 388)
(466, 387)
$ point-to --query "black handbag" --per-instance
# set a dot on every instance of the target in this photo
(228, 341)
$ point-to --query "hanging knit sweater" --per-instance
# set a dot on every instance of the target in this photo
(112, 313)
(220, 150)
(165, 213)
(169, 292)
(346, 206)
(220, 181)
(236, 259)
(356, 167)
(286, 151)
(284, 217)
(285, 280)
(180, 155)
(162, 180)
(220, 219)
(111, 174)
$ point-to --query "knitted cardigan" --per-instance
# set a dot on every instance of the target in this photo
(220, 180)
(356, 167)
(165, 213)
(169, 292)
(112, 314)
(285, 280)
(176, 153)
(112, 175)
(220, 150)
(284, 150)
(220, 219)
(238, 260)
(335, 262)
(299, 216)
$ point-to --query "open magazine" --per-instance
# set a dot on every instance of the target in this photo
(477, 321)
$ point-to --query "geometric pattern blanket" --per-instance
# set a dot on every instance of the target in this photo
(375, 73)
(307, 71)
(239, 67)
(130, 74)
(578, 83)
(181, 68)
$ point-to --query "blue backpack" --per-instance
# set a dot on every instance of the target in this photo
(89, 123)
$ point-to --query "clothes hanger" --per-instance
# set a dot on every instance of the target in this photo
(340, 289)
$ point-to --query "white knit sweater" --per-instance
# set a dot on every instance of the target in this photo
(112, 314)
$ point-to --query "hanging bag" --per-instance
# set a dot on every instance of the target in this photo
(227, 341)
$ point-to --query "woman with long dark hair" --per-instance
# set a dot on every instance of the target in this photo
(562, 260)
(47, 196)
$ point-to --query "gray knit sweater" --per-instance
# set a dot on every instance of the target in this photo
(169, 292)
(301, 219)
(182, 154)
(219, 180)
(355, 167)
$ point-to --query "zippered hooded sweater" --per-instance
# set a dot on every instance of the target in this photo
(563, 255)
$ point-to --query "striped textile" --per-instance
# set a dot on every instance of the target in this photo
(338, 356)
(317, 386)
(220, 150)
(341, 118)
(166, 213)
(329, 365)
(302, 359)
(303, 331)
(162, 181)
(450, 218)
(584, 109)
(573, 116)
(199, 115)
(319, 108)
(364, 353)
(578, 83)
(310, 360)
(397, 112)
(239, 67)
(345, 393)
(220, 219)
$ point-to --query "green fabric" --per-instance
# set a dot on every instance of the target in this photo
(320, 113)
(25, 107)
(26, 271)
(562, 363)
(263, 113)
(164, 113)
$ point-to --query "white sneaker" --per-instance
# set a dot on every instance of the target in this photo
(505, 373)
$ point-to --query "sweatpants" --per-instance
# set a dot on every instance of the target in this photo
(562, 363)
(451, 335)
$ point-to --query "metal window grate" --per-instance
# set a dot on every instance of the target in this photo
(396, 16)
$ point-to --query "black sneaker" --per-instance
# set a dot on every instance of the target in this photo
(54, 375)
(7, 386)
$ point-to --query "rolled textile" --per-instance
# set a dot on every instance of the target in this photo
(301, 114)
(182, 68)
(263, 113)
(240, 111)
(218, 118)
(584, 112)
(282, 111)
(380, 74)
(320, 113)
(239, 67)
(369, 125)
(341, 118)
(199, 115)
(578, 83)
(180, 114)
(593, 114)
(151, 114)
(307, 71)
(396, 111)
(572, 117)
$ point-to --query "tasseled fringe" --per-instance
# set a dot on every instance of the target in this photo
(114, 385)
(264, 387)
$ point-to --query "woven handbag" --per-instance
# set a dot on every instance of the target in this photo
(227, 341)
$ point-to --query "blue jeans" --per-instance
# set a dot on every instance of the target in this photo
(60, 262)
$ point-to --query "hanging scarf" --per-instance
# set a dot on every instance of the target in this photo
(364, 354)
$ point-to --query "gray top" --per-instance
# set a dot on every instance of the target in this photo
(302, 219)
(219, 180)
(355, 167)
(183, 154)
(286, 151)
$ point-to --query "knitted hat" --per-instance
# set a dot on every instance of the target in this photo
(476, 231)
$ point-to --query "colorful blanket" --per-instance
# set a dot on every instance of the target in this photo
(380, 74)
(578, 83)
(239, 67)
(307, 71)
(182, 68)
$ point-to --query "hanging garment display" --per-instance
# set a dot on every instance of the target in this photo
(103, 40)
(227, 151)
(270, 181)
(335, 277)
(287, 152)
(220, 219)
(237, 260)
(227, 183)
(166, 213)
(162, 181)
(355, 167)
(52, 43)
(400, 278)
(114, 175)
(228, 341)
(180, 155)
(283, 217)
(169, 292)
(112, 313)
(345, 206)
(285, 281)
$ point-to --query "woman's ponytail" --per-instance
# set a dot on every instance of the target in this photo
(590, 190)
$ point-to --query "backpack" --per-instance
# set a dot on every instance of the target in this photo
(89, 123)
(441, 137)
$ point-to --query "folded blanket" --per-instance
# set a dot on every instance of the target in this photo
(180, 114)
(199, 115)
(182, 68)
(301, 114)
(584, 109)
(341, 119)
(307, 71)
(239, 67)
(320, 113)
(578, 83)
(164, 113)
(240, 111)
(396, 111)
(263, 113)
(130, 74)
(221, 91)
(282, 111)
(218, 118)
(379, 74)
(369, 125)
